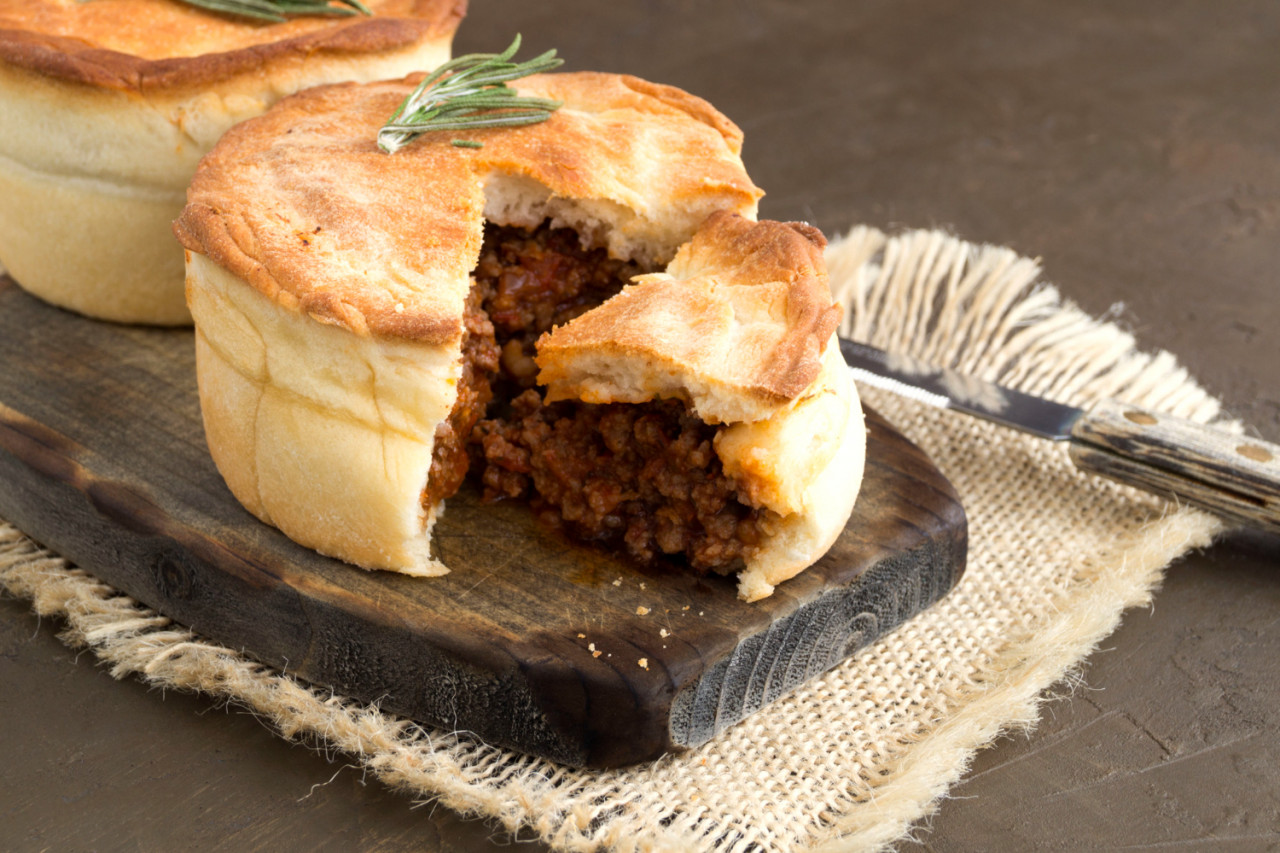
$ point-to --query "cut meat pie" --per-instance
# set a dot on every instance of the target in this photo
(107, 106)
(370, 328)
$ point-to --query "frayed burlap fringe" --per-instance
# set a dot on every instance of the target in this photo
(851, 760)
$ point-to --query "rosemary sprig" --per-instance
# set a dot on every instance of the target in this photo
(279, 10)
(470, 91)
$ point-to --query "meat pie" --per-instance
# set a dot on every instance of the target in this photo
(107, 106)
(581, 313)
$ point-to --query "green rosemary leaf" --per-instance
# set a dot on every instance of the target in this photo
(468, 92)
(513, 118)
(466, 143)
(280, 10)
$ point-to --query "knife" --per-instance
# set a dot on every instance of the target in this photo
(1233, 476)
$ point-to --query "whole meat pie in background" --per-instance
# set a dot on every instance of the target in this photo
(107, 106)
(580, 312)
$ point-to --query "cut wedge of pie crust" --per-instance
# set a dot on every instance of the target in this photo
(582, 313)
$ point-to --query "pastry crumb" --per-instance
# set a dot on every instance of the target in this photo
(642, 610)
(644, 663)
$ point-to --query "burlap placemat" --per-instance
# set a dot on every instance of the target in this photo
(850, 760)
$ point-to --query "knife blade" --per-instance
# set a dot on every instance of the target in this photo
(1233, 476)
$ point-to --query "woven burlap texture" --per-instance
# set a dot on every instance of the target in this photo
(851, 760)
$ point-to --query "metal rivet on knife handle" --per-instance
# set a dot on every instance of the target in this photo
(1141, 418)
(1254, 452)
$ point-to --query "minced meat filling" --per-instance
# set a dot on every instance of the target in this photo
(480, 360)
(640, 475)
(525, 283)
(643, 476)
(532, 281)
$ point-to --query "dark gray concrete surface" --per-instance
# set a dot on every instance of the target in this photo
(1134, 147)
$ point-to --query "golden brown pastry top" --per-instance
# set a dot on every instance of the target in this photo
(303, 205)
(144, 45)
(736, 325)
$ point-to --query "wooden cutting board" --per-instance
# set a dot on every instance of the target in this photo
(531, 642)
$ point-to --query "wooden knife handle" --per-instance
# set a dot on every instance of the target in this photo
(1231, 475)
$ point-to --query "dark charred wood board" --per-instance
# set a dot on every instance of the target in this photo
(531, 642)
